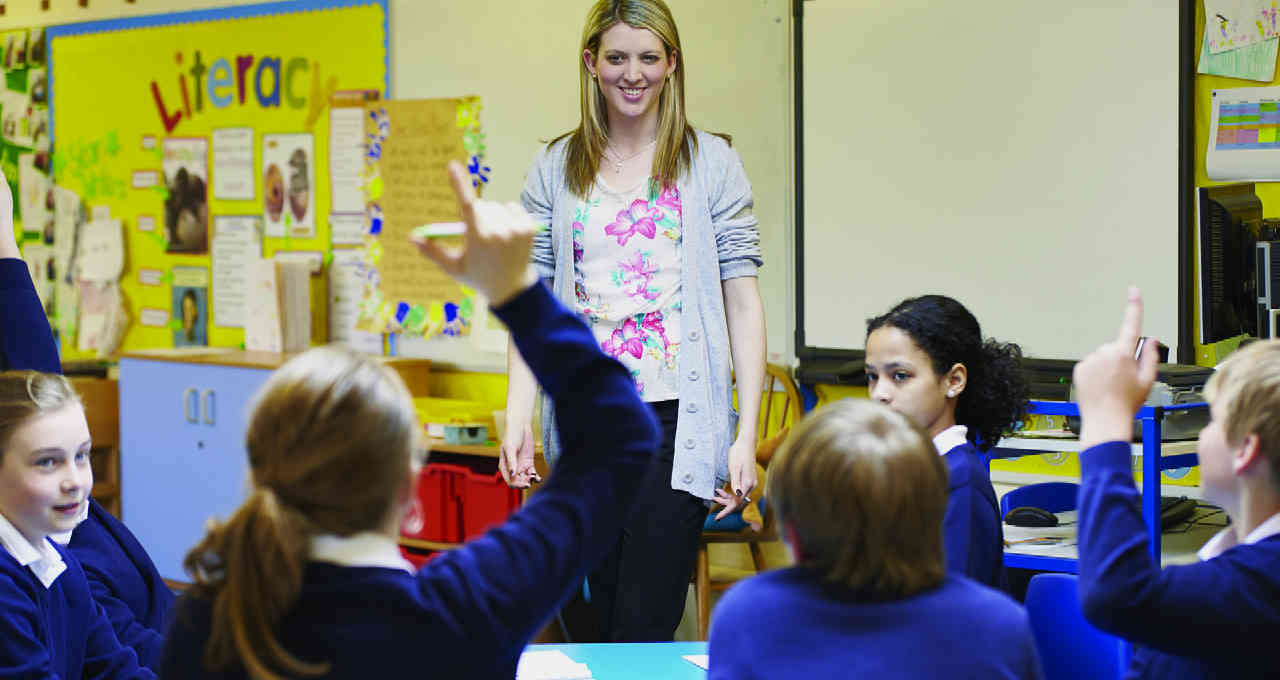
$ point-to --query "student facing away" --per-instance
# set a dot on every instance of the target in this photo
(860, 493)
(1217, 618)
(927, 359)
(305, 579)
(121, 575)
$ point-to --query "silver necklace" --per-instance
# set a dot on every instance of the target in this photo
(618, 160)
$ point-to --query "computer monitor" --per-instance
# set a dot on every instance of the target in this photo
(1230, 226)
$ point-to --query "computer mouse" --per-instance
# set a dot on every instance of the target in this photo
(1030, 516)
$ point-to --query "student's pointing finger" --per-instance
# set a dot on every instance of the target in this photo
(1131, 325)
(464, 192)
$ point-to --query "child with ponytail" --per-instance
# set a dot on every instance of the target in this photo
(926, 358)
(305, 579)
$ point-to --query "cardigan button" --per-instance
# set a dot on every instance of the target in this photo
(690, 443)
(687, 478)
(693, 336)
(693, 375)
(691, 408)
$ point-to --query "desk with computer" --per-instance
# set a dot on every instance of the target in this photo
(1040, 517)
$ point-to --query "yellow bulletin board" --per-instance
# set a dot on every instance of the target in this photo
(135, 101)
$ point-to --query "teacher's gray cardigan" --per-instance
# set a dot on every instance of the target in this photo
(720, 240)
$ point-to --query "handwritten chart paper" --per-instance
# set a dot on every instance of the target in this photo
(237, 242)
(408, 147)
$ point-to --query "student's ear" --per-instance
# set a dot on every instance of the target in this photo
(1248, 455)
(792, 541)
(956, 379)
(590, 60)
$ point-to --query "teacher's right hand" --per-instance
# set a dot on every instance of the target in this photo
(515, 459)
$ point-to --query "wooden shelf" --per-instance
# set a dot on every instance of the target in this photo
(1034, 445)
(419, 544)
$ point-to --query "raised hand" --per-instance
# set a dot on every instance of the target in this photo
(494, 258)
(1111, 384)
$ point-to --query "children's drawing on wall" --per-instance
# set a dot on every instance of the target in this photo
(186, 207)
(190, 312)
(15, 50)
(38, 86)
(35, 47)
(288, 185)
(16, 119)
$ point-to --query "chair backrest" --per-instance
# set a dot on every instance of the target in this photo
(1051, 496)
(772, 421)
(1069, 646)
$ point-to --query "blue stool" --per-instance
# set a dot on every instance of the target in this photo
(1051, 496)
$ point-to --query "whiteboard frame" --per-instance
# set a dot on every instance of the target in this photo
(842, 365)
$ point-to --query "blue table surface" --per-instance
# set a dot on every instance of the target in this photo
(623, 660)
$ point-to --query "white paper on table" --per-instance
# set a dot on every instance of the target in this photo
(702, 661)
(347, 228)
(1224, 158)
(289, 184)
(1232, 24)
(550, 665)
(101, 254)
(233, 164)
(346, 159)
(348, 275)
(237, 242)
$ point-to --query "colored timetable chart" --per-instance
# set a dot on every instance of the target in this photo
(1248, 125)
(1244, 134)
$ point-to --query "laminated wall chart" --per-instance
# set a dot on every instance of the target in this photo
(1244, 134)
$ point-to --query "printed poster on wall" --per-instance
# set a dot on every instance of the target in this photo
(410, 144)
(190, 306)
(186, 206)
(288, 182)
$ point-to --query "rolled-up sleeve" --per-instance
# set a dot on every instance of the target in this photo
(734, 219)
(538, 198)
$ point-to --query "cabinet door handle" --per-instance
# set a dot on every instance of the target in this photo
(189, 405)
(208, 404)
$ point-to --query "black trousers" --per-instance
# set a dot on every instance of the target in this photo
(638, 592)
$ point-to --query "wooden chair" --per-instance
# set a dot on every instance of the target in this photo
(102, 411)
(773, 428)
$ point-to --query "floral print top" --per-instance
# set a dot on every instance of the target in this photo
(626, 257)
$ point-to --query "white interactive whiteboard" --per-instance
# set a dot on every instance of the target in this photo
(1021, 157)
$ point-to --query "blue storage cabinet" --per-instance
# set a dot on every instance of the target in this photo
(183, 457)
(182, 453)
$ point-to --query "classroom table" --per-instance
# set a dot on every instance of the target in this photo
(625, 660)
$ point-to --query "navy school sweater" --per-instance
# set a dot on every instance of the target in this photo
(470, 612)
(789, 624)
(972, 533)
(26, 342)
(125, 581)
(57, 632)
(1214, 619)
